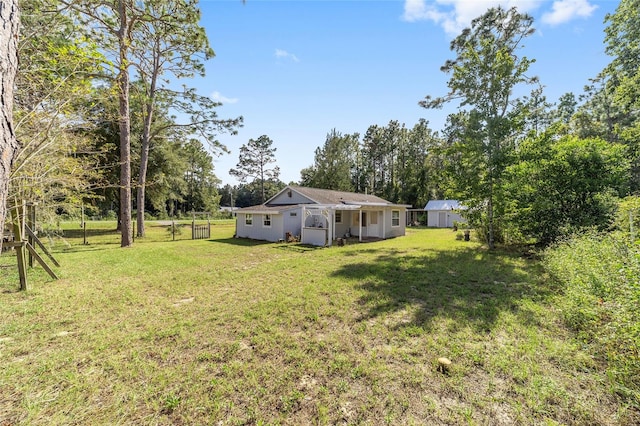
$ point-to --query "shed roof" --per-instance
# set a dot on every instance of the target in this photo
(443, 205)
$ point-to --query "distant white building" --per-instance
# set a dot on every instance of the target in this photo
(228, 210)
(442, 213)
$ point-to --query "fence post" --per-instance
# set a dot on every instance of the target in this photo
(31, 223)
(20, 249)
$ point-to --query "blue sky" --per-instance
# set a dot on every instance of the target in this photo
(295, 70)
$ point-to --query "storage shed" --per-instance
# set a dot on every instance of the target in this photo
(442, 213)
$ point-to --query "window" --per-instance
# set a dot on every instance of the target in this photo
(266, 221)
(248, 219)
(338, 217)
(395, 217)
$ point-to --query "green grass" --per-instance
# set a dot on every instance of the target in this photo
(227, 331)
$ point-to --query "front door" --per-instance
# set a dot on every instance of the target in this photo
(442, 219)
(373, 230)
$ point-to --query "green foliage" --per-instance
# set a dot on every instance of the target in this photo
(486, 71)
(562, 185)
(398, 164)
(55, 165)
(201, 192)
(250, 194)
(253, 162)
(600, 276)
(627, 217)
(334, 163)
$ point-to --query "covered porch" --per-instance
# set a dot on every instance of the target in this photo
(323, 225)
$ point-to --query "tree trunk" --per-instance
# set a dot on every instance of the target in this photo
(146, 138)
(142, 178)
(141, 193)
(490, 237)
(9, 24)
(125, 132)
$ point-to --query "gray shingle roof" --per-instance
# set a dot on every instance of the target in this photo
(327, 196)
(319, 196)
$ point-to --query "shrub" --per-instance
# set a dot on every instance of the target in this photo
(601, 301)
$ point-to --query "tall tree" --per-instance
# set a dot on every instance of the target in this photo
(333, 163)
(373, 153)
(566, 107)
(420, 166)
(112, 23)
(253, 162)
(484, 76)
(9, 25)
(202, 193)
(171, 42)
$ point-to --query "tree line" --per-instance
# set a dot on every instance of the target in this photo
(525, 169)
(102, 123)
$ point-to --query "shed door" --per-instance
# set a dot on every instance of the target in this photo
(442, 219)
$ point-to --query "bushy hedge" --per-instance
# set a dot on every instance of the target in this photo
(600, 278)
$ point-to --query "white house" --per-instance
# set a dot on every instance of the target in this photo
(319, 216)
(442, 213)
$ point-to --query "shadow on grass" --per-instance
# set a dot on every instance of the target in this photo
(470, 287)
(76, 248)
(244, 242)
(300, 248)
(79, 233)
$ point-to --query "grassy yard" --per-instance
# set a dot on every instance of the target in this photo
(227, 331)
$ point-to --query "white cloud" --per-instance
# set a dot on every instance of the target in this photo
(217, 96)
(286, 55)
(566, 10)
(455, 15)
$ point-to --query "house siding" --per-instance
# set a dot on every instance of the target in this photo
(344, 227)
(258, 231)
(292, 224)
(394, 231)
(284, 199)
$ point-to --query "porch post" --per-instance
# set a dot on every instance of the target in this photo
(333, 223)
(303, 217)
(384, 224)
(360, 225)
